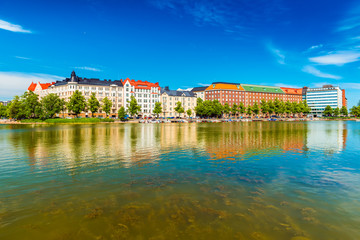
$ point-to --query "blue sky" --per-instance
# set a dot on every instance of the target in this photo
(182, 43)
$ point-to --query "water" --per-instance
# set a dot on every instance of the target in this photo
(254, 180)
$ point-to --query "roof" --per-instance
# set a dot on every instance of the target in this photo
(199, 89)
(260, 88)
(90, 81)
(42, 85)
(295, 91)
(177, 93)
(141, 84)
(225, 86)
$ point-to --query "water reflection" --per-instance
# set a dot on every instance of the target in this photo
(251, 180)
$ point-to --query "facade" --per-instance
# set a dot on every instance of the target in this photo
(145, 93)
(39, 88)
(199, 91)
(5, 103)
(169, 98)
(319, 98)
(249, 94)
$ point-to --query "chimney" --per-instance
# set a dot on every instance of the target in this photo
(167, 88)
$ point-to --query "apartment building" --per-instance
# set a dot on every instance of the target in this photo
(169, 98)
(328, 95)
(199, 91)
(249, 94)
(145, 93)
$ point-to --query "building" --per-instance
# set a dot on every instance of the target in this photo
(145, 93)
(319, 98)
(169, 98)
(39, 88)
(199, 91)
(113, 90)
(5, 103)
(248, 94)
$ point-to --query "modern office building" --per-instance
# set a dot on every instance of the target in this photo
(249, 94)
(319, 98)
(169, 98)
(145, 93)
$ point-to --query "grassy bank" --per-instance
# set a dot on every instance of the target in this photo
(65, 120)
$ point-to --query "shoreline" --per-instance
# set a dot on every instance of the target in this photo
(10, 122)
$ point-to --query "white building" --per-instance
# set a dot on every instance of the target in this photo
(169, 99)
(319, 98)
(145, 93)
(200, 92)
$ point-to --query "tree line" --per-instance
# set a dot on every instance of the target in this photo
(330, 112)
(277, 107)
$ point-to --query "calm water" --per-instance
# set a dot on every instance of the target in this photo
(181, 181)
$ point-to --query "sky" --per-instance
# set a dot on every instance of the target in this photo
(182, 43)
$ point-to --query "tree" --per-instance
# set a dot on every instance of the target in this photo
(133, 108)
(242, 108)
(264, 107)
(217, 109)
(295, 108)
(15, 109)
(62, 105)
(355, 110)
(51, 105)
(77, 103)
(271, 107)
(277, 106)
(31, 104)
(199, 109)
(344, 111)
(328, 111)
(336, 112)
(226, 109)
(189, 112)
(122, 114)
(179, 109)
(93, 104)
(3, 111)
(306, 109)
(106, 106)
(157, 109)
(255, 108)
(234, 109)
(249, 111)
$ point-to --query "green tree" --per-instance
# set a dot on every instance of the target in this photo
(226, 109)
(328, 111)
(355, 110)
(288, 108)
(179, 109)
(306, 109)
(277, 106)
(255, 109)
(189, 112)
(234, 109)
(336, 112)
(295, 108)
(199, 109)
(249, 111)
(217, 109)
(281, 108)
(3, 111)
(62, 105)
(15, 109)
(271, 107)
(264, 107)
(157, 109)
(77, 103)
(242, 108)
(344, 111)
(51, 105)
(31, 104)
(122, 114)
(93, 104)
(133, 108)
(106, 106)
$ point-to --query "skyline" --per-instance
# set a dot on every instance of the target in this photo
(181, 43)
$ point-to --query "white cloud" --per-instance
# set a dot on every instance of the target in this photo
(316, 72)
(203, 84)
(89, 69)
(350, 85)
(25, 58)
(280, 57)
(314, 47)
(16, 83)
(339, 58)
(12, 27)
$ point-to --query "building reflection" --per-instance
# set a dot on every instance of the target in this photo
(71, 146)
